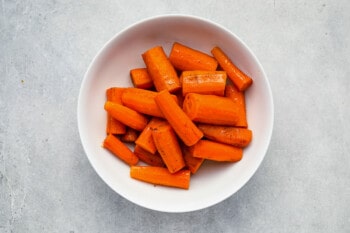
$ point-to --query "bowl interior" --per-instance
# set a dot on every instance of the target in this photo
(214, 182)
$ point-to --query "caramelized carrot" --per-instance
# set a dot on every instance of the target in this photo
(238, 98)
(210, 109)
(145, 139)
(185, 58)
(149, 158)
(129, 136)
(192, 163)
(126, 115)
(161, 176)
(140, 78)
(216, 151)
(234, 136)
(161, 70)
(114, 126)
(203, 82)
(240, 79)
(142, 101)
(120, 150)
(168, 147)
(181, 123)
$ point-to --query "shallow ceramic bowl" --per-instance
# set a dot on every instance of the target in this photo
(214, 182)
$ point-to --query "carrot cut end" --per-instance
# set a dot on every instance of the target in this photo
(161, 176)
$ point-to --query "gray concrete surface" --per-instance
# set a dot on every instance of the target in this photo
(46, 181)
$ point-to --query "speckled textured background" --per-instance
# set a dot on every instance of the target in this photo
(46, 181)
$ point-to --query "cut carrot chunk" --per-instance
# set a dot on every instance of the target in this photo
(240, 79)
(149, 158)
(142, 101)
(235, 136)
(216, 151)
(140, 78)
(203, 82)
(192, 163)
(238, 98)
(210, 109)
(161, 176)
(114, 126)
(145, 139)
(130, 135)
(185, 58)
(162, 72)
(126, 115)
(120, 150)
(177, 118)
(168, 147)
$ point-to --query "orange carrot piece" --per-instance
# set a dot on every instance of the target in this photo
(185, 58)
(238, 98)
(149, 158)
(142, 101)
(177, 118)
(130, 135)
(168, 147)
(192, 163)
(161, 176)
(235, 136)
(145, 139)
(216, 151)
(210, 109)
(120, 150)
(162, 72)
(240, 79)
(126, 115)
(114, 126)
(203, 82)
(140, 78)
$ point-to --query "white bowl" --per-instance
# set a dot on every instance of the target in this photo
(214, 182)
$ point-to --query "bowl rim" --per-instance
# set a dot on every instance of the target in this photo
(177, 16)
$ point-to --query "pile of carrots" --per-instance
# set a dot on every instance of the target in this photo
(183, 109)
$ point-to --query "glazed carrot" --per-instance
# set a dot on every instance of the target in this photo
(114, 126)
(240, 79)
(161, 176)
(119, 149)
(216, 151)
(145, 139)
(210, 109)
(168, 147)
(129, 136)
(235, 136)
(126, 115)
(149, 158)
(192, 163)
(162, 72)
(140, 78)
(203, 82)
(181, 123)
(185, 58)
(142, 101)
(238, 98)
